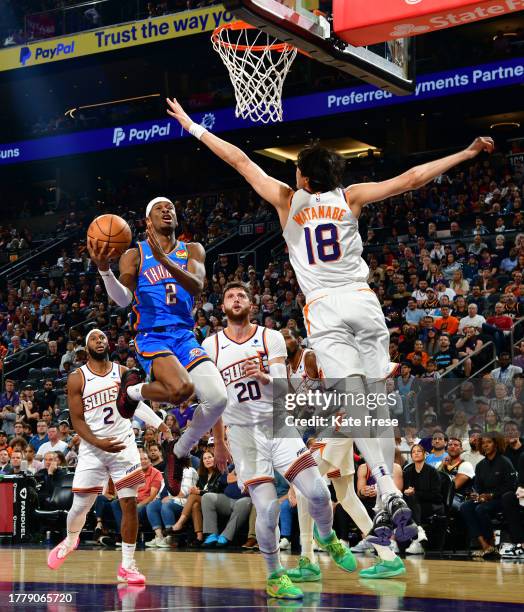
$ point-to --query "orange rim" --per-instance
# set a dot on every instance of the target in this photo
(242, 25)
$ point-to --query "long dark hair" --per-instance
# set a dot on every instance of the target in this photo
(324, 168)
(203, 472)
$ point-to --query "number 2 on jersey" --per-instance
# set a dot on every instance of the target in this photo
(108, 420)
(327, 245)
(170, 294)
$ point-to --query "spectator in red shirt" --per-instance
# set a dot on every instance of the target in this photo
(498, 326)
(147, 492)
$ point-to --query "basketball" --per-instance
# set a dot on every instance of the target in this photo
(111, 229)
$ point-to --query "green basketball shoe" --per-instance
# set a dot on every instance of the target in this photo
(384, 569)
(305, 571)
(280, 586)
(340, 553)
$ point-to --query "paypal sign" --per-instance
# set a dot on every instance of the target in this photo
(141, 135)
(46, 53)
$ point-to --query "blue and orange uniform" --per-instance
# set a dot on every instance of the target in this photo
(161, 312)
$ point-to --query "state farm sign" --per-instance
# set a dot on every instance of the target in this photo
(365, 22)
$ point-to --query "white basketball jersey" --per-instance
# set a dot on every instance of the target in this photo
(99, 399)
(325, 247)
(249, 402)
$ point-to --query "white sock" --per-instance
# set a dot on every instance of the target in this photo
(128, 554)
(135, 392)
(71, 538)
(306, 527)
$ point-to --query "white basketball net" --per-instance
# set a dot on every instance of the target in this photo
(258, 66)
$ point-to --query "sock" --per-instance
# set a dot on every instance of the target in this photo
(135, 392)
(272, 562)
(384, 552)
(71, 538)
(128, 554)
(306, 527)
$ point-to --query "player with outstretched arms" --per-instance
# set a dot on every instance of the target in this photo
(161, 279)
(107, 449)
(249, 358)
(345, 323)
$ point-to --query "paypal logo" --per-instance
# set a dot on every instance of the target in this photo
(25, 54)
(141, 136)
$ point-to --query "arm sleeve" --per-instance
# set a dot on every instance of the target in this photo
(116, 291)
(146, 414)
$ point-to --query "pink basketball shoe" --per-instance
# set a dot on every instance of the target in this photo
(59, 553)
(130, 575)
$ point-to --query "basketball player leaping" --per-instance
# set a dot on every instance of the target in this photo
(345, 323)
(161, 278)
(249, 357)
(108, 449)
(334, 457)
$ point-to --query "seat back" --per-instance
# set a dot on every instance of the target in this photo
(447, 489)
(62, 498)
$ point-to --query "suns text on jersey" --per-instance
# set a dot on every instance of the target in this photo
(100, 398)
(235, 371)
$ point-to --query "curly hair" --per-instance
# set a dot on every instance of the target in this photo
(324, 168)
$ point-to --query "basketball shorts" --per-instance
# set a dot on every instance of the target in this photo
(334, 456)
(96, 466)
(256, 455)
(178, 342)
(347, 330)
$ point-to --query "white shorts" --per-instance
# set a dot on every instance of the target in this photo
(257, 455)
(96, 466)
(347, 331)
(334, 456)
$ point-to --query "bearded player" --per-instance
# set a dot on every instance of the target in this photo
(334, 457)
(249, 357)
(162, 277)
(345, 323)
(107, 449)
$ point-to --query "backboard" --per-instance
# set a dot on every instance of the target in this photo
(388, 65)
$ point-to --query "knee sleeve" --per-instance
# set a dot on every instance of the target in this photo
(271, 514)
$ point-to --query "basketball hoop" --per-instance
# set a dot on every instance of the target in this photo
(258, 65)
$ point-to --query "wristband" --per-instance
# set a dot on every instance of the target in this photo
(197, 130)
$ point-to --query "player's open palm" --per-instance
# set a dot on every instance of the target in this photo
(99, 253)
(178, 113)
(110, 445)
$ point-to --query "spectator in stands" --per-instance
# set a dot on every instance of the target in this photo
(438, 453)
(446, 323)
(493, 421)
(422, 494)
(462, 472)
(50, 478)
(502, 402)
(54, 443)
(473, 455)
(146, 493)
(155, 456)
(506, 371)
(46, 399)
(7, 419)
(232, 503)
(459, 427)
(512, 503)
(167, 509)
(15, 466)
(27, 410)
(514, 445)
(41, 436)
(184, 412)
(446, 356)
(4, 461)
(53, 358)
(494, 476)
(9, 397)
(33, 466)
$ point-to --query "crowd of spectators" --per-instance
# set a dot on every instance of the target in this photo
(449, 280)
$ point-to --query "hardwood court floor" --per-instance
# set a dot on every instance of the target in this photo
(234, 581)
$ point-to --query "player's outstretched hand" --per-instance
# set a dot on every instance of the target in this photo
(100, 253)
(482, 143)
(110, 445)
(178, 113)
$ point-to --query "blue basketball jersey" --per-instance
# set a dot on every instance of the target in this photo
(159, 299)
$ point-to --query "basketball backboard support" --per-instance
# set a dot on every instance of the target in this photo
(389, 65)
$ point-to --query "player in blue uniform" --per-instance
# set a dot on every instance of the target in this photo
(161, 278)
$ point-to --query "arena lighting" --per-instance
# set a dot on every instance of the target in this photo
(71, 112)
(347, 147)
(504, 34)
(504, 124)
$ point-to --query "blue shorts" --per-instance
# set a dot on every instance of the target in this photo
(178, 342)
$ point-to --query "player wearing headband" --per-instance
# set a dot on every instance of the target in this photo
(161, 278)
(107, 449)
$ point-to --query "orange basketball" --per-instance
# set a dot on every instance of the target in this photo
(111, 229)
